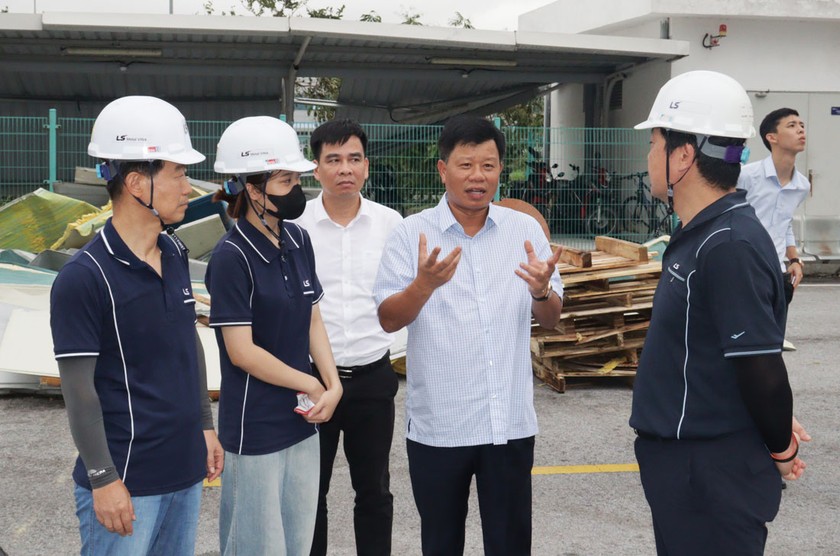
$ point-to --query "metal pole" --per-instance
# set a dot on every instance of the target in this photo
(52, 126)
(497, 121)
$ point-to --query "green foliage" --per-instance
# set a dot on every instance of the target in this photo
(210, 9)
(275, 8)
(458, 20)
(527, 114)
(321, 88)
(371, 17)
(327, 13)
(410, 18)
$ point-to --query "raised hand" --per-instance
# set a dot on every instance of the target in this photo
(432, 273)
(536, 273)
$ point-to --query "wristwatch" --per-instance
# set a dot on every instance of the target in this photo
(546, 296)
(797, 260)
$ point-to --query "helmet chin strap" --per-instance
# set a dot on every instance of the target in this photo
(167, 228)
(668, 170)
(261, 215)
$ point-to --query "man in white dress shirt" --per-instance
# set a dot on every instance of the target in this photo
(348, 235)
(775, 188)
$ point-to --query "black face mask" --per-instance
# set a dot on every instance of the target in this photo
(289, 206)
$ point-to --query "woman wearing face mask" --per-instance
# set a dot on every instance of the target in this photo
(264, 294)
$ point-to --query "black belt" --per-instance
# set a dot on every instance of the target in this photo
(653, 437)
(357, 370)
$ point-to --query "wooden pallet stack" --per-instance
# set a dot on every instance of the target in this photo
(607, 303)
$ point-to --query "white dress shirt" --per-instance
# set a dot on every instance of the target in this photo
(346, 259)
(773, 204)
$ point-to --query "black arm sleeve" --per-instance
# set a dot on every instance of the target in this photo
(206, 412)
(85, 415)
(765, 389)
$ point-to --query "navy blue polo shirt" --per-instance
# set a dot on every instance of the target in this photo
(107, 303)
(720, 297)
(254, 283)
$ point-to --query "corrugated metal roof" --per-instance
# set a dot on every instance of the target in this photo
(397, 69)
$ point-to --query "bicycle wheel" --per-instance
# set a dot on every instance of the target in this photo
(662, 223)
(601, 221)
(635, 216)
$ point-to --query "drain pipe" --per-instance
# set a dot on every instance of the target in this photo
(289, 82)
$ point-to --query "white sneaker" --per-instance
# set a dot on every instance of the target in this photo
(788, 346)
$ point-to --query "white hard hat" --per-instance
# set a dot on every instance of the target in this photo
(259, 144)
(142, 128)
(703, 103)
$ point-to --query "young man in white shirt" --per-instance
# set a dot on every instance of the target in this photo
(348, 234)
(775, 188)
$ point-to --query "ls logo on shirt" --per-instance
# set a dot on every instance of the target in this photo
(188, 297)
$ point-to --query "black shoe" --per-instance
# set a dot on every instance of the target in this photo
(784, 484)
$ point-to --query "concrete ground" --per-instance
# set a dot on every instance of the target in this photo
(594, 513)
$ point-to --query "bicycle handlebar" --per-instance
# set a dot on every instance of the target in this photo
(636, 175)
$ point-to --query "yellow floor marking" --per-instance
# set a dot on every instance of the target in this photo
(215, 483)
(572, 469)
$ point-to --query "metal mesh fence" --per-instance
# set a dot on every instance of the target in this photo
(585, 182)
(24, 151)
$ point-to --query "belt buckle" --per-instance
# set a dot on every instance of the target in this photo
(345, 373)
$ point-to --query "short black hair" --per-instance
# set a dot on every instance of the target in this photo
(469, 130)
(770, 123)
(336, 132)
(719, 174)
(122, 168)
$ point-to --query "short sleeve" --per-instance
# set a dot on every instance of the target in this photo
(78, 307)
(230, 283)
(743, 300)
(397, 265)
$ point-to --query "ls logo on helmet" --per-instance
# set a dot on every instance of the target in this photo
(245, 154)
(675, 104)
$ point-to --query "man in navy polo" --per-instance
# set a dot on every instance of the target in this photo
(712, 405)
(123, 326)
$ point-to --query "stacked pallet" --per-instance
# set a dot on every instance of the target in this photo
(607, 304)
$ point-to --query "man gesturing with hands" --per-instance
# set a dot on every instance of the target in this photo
(468, 304)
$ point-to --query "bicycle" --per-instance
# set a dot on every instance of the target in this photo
(537, 189)
(643, 213)
(587, 201)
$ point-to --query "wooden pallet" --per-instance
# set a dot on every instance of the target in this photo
(607, 304)
(557, 379)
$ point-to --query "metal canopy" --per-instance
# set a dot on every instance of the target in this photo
(391, 73)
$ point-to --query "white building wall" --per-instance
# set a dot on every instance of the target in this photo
(783, 52)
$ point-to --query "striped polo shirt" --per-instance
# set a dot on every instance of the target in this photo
(720, 297)
(254, 283)
(107, 303)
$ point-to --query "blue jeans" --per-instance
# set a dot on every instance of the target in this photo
(165, 524)
(269, 501)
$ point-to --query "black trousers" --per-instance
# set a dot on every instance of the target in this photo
(440, 480)
(788, 287)
(709, 496)
(365, 415)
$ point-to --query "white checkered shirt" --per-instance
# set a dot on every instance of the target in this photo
(468, 362)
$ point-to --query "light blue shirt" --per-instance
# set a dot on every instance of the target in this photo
(773, 204)
(468, 362)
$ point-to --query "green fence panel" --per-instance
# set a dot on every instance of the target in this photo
(24, 155)
(584, 181)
